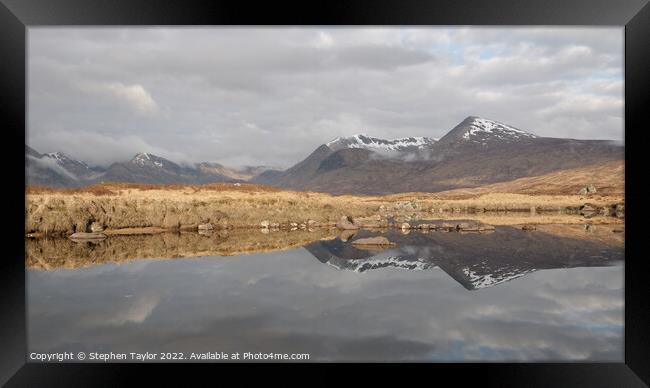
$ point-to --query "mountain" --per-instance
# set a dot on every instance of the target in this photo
(244, 173)
(59, 170)
(149, 168)
(55, 169)
(476, 152)
(473, 260)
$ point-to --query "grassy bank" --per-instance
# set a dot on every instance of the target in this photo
(125, 208)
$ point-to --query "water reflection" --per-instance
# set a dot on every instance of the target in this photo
(410, 302)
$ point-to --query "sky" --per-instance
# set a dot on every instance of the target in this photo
(270, 96)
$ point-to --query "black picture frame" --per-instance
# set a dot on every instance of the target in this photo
(17, 15)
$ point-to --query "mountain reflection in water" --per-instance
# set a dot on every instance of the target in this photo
(475, 260)
(409, 302)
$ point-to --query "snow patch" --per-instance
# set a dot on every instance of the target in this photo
(368, 142)
(498, 130)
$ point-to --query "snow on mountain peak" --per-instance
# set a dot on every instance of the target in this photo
(63, 159)
(479, 126)
(147, 159)
(365, 141)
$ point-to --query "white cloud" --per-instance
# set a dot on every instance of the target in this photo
(135, 95)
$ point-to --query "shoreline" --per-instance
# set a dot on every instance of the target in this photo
(128, 210)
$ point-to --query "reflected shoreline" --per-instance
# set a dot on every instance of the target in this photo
(56, 253)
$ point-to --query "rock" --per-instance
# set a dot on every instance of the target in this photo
(620, 210)
(406, 226)
(485, 227)
(448, 226)
(588, 210)
(205, 232)
(609, 211)
(424, 226)
(274, 225)
(346, 223)
(264, 230)
(589, 189)
(347, 234)
(528, 227)
(589, 228)
(96, 227)
(462, 226)
(265, 224)
(469, 227)
(379, 240)
(207, 226)
(87, 236)
(312, 223)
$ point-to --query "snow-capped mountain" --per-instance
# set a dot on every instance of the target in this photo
(377, 262)
(78, 168)
(145, 159)
(475, 152)
(376, 144)
(475, 261)
(484, 132)
(145, 167)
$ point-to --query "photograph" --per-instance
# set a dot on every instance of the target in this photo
(325, 194)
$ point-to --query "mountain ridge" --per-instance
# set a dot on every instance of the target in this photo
(475, 152)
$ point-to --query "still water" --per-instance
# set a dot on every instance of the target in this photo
(509, 295)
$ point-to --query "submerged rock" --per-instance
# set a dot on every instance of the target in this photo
(87, 236)
(379, 240)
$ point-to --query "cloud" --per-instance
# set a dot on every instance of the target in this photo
(135, 95)
(272, 95)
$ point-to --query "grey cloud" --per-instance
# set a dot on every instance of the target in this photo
(271, 95)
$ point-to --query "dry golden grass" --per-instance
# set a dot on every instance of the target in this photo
(608, 178)
(129, 207)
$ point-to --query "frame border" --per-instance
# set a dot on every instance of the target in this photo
(17, 15)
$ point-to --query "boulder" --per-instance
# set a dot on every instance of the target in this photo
(424, 226)
(379, 240)
(528, 227)
(589, 189)
(207, 226)
(346, 223)
(447, 226)
(406, 226)
(265, 224)
(485, 228)
(620, 210)
(469, 227)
